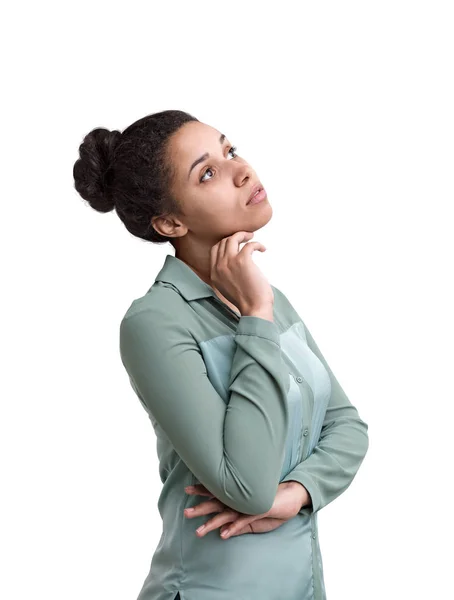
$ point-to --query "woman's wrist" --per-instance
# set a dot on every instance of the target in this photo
(305, 500)
(263, 312)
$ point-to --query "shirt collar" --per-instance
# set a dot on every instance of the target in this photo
(187, 282)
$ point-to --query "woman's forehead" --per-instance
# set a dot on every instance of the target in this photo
(192, 141)
(195, 137)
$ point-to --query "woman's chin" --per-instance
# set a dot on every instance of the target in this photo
(257, 219)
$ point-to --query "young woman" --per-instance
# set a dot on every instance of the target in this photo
(253, 429)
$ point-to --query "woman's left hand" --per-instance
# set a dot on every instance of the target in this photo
(290, 497)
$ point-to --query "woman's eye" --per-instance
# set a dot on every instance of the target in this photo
(232, 150)
(202, 179)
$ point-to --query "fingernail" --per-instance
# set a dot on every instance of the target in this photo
(201, 528)
(189, 510)
(225, 533)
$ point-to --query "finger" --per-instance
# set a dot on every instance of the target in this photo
(234, 241)
(237, 526)
(226, 516)
(198, 490)
(204, 508)
(250, 247)
(247, 529)
(221, 251)
(214, 256)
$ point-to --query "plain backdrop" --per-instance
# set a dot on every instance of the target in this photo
(345, 111)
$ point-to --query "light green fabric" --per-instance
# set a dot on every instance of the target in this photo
(239, 404)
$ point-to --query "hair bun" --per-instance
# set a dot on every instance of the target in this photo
(93, 171)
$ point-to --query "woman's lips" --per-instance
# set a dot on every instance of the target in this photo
(258, 197)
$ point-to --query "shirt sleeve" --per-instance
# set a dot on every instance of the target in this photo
(342, 446)
(234, 448)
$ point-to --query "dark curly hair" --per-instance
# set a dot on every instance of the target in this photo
(131, 171)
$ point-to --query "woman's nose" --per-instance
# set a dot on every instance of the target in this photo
(242, 174)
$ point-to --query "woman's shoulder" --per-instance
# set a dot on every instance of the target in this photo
(153, 325)
(161, 304)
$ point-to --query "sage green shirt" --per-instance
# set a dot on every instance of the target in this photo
(238, 404)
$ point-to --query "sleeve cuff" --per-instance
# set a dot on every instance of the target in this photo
(256, 326)
(310, 486)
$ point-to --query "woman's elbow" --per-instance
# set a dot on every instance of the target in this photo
(257, 503)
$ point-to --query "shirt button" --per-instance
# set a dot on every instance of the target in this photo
(306, 431)
(299, 379)
(313, 535)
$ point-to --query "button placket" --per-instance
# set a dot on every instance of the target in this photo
(302, 381)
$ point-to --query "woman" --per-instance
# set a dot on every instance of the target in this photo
(245, 408)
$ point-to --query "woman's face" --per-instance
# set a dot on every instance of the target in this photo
(212, 184)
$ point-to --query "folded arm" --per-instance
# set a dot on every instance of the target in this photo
(236, 449)
(331, 467)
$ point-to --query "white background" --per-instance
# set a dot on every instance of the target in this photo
(345, 111)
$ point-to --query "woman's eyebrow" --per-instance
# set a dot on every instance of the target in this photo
(204, 156)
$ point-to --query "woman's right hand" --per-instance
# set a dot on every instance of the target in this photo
(237, 277)
(286, 505)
